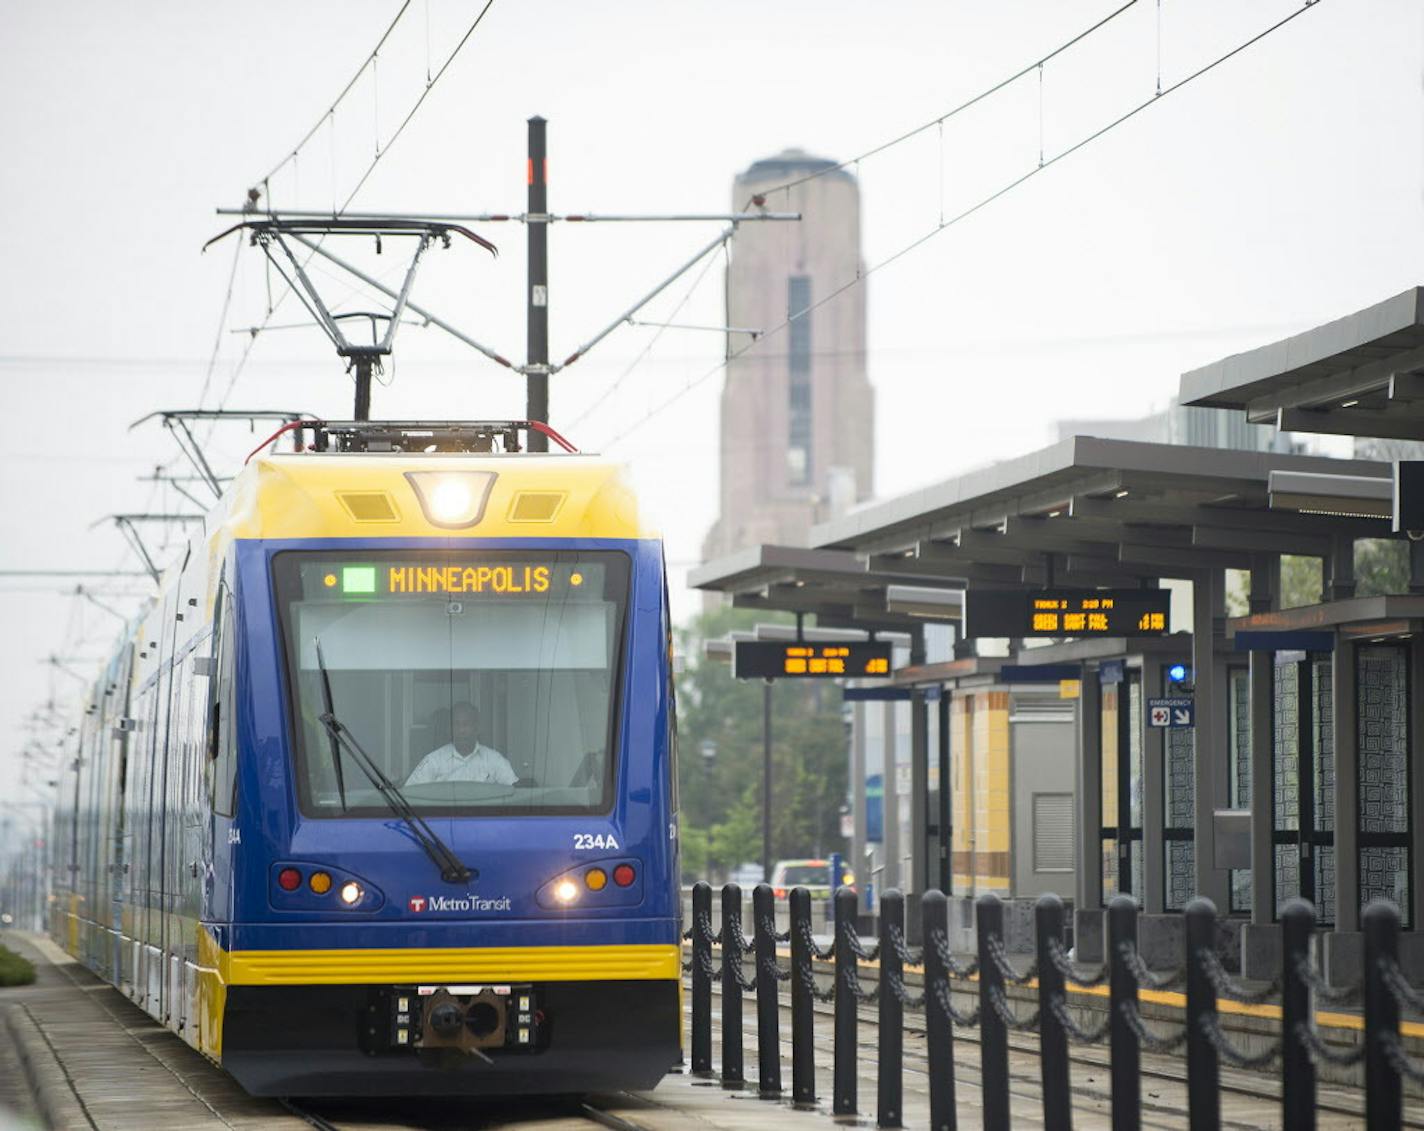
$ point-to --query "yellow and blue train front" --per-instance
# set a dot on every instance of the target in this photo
(511, 686)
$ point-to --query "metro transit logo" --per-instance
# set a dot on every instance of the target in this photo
(465, 903)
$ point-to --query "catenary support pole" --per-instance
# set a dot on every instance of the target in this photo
(537, 375)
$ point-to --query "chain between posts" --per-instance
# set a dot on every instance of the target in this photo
(1059, 957)
(1145, 978)
(1299, 1046)
(1225, 987)
(1074, 1030)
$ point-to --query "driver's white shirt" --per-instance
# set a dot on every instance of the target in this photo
(483, 763)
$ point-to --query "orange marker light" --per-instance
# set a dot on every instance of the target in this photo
(596, 879)
(320, 882)
(575, 579)
(329, 580)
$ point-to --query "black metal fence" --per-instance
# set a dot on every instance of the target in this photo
(1382, 990)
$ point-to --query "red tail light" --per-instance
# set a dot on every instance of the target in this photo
(780, 893)
(623, 875)
(289, 879)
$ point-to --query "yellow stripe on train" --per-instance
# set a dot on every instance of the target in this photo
(458, 964)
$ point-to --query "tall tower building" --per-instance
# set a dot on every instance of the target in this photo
(798, 412)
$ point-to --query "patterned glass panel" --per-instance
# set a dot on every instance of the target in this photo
(1137, 870)
(1241, 890)
(1181, 873)
(1286, 747)
(1239, 705)
(1384, 873)
(1287, 874)
(1384, 741)
(1109, 868)
(1325, 883)
(1323, 709)
(1180, 778)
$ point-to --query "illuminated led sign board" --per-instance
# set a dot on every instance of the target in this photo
(1067, 612)
(416, 579)
(766, 659)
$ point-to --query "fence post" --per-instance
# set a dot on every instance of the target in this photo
(889, 1069)
(732, 1074)
(993, 1034)
(1203, 1068)
(939, 1026)
(767, 993)
(843, 1084)
(803, 1016)
(1126, 1057)
(702, 979)
(1053, 1041)
(1383, 1096)
(1297, 1067)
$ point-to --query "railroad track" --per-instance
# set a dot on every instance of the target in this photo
(1164, 1079)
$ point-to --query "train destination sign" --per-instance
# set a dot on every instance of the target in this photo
(768, 659)
(414, 578)
(1067, 612)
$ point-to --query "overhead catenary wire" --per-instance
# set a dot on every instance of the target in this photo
(273, 306)
(1003, 190)
(934, 123)
(368, 61)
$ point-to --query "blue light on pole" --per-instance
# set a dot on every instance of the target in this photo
(1177, 673)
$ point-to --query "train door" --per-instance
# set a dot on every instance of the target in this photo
(198, 670)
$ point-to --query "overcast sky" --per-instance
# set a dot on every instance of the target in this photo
(1280, 190)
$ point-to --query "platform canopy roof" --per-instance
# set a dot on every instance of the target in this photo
(1095, 512)
(1361, 375)
(833, 586)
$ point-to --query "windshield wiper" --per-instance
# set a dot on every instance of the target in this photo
(452, 870)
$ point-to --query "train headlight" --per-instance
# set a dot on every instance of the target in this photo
(566, 891)
(351, 893)
(452, 499)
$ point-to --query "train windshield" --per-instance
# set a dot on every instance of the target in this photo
(477, 682)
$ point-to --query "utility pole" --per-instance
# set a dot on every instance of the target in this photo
(537, 369)
(766, 782)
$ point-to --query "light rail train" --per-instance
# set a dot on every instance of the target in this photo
(378, 796)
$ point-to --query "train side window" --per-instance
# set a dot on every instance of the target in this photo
(221, 741)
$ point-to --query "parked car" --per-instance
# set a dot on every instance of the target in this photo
(814, 875)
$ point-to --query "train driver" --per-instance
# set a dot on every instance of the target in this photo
(464, 758)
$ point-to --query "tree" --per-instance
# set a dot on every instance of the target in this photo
(720, 753)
